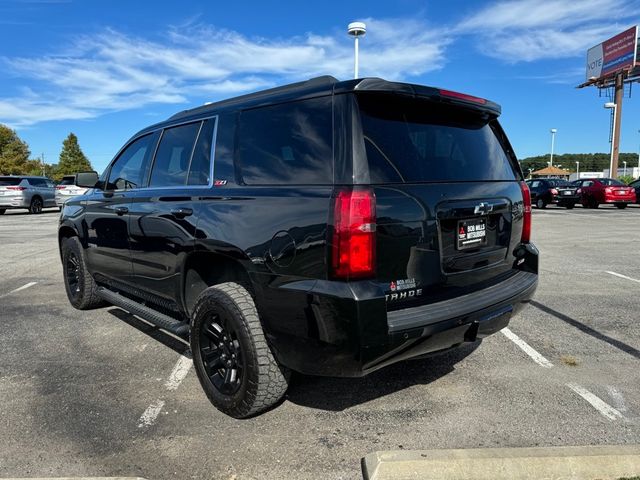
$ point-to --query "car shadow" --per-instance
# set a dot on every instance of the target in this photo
(337, 394)
(11, 212)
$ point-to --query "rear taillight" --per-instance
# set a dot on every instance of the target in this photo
(16, 188)
(579, 191)
(526, 218)
(353, 246)
(608, 190)
(554, 191)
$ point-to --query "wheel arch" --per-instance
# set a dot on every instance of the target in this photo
(204, 269)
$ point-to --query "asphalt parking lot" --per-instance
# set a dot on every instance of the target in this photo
(101, 393)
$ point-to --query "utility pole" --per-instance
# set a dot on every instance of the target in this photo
(615, 148)
(42, 164)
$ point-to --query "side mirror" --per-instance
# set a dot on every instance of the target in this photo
(86, 179)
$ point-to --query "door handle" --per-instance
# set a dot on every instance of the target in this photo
(181, 212)
(121, 210)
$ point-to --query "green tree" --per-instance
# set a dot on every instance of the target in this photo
(72, 160)
(14, 153)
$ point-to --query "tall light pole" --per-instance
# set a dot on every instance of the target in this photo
(614, 107)
(553, 139)
(356, 30)
(578, 170)
(624, 170)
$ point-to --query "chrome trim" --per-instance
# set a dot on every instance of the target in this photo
(162, 129)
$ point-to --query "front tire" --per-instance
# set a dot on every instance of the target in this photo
(35, 206)
(234, 363)
(2, 210)
(569, 206)
(621, 205)
(540, 203)
(78, 282)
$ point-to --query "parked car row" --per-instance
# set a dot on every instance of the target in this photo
(35, 193)
(589, 192)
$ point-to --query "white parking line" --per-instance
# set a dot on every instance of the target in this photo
(618, 399)
(623, 276)
(604, 408)
(150, 415)
(23, 287)
(526, 348)
(179, 372)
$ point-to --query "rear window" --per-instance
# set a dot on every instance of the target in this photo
(559, 183)
(612, 182)
(67, 181)
(287, 144)
(8, 181)
(410, 141)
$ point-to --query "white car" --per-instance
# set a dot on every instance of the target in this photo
(67, 189)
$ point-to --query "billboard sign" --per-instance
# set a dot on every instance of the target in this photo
(613, 55)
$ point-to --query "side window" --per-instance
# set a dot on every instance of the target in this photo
(535, 184)
(37, 182)
(291, 143)
(174, 155)
(200, 169)
(49, 184)
(588, 183)
(132, 166)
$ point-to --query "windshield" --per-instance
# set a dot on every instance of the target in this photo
(7, 181)
(559, 183)
(416, 141)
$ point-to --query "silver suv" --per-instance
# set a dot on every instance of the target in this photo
(32, 193)
(67, 189)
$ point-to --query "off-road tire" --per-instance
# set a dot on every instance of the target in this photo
(82, 294)
(263, 382)
(36, 205)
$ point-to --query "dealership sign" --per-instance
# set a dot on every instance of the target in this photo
(613, 55)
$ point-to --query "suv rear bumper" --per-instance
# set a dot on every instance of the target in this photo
(346, 331)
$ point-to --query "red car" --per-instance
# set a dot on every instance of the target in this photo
(594, 191)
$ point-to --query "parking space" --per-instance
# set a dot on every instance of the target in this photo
(103, 393)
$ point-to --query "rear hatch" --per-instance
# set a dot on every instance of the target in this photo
(9, 186)
(448, 197)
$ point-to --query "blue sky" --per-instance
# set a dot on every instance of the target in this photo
(104, 70)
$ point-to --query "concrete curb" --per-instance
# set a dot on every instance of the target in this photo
(546, 463)
(77, 478)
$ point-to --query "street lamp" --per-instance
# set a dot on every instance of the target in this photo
(356, 30)
(553, 139)
(578, 170)
(611, 105)
(624, 170)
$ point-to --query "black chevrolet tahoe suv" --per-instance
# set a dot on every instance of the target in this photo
(325, 227)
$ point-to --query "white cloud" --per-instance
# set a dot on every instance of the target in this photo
(112, 71)
(530, 30)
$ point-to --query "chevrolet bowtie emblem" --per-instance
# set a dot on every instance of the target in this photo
(483, 208)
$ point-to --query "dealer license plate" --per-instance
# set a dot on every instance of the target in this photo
(472, 233)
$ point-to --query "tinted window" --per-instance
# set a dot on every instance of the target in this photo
(7, 181)
(611, 181)
(413, 141)
(67, 180)
(132, 166)
(535, 184)
(174, 154)
(287, 144)
(38, 182)
(200, 170)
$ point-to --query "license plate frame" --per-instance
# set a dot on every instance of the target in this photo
(471, 233)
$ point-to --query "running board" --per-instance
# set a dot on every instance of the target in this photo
(160, 320)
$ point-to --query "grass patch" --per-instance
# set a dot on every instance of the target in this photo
(573, 362)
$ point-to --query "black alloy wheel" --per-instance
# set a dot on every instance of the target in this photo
(221, 355)
(72, 274)
(36, 206)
